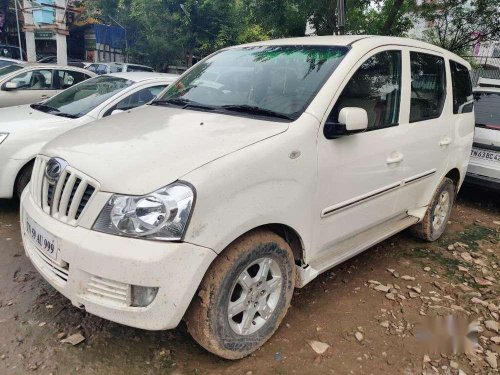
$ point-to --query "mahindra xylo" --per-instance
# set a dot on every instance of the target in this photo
(261, 167)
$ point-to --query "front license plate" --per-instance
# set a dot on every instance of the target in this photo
(479, 153)
(43, 240)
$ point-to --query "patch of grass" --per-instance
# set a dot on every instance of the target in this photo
(448, 264)
(470, 236)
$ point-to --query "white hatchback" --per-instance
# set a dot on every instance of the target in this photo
(261, 167)
(24, 130)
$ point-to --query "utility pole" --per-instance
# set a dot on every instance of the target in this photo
(18, 32)
(340, 17)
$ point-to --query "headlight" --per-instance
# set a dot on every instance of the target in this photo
(162, 215)
(3, 137)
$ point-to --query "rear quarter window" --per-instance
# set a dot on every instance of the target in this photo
(462, 88)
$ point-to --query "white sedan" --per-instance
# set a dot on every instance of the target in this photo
(25, 84)
(25, 129)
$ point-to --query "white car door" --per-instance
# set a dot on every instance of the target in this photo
(28, 87)
(428, 135)
(359, 174)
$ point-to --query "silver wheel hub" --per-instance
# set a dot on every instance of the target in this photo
(441, 210)
(254, 296)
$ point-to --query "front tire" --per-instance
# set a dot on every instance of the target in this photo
(244, 296)
(436, 218)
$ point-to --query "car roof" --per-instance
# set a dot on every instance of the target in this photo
(55, 66)
(362, 41)
(12, 60)
(487, 85)
(144, 76)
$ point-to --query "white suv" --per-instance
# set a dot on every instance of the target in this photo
(261, 167)
(484, 167)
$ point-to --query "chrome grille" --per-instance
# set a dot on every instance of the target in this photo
(65, 200)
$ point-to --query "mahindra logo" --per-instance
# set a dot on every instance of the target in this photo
(54, 169)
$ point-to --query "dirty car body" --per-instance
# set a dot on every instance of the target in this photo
(261, 167)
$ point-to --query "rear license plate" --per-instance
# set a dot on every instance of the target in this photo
(45, 242)
(479, 153)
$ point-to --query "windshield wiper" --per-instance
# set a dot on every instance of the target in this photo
(44, 108)
(184, 103)
(62, 114)
(245, 108)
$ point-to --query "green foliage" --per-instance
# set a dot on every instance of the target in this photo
(459, 24)
(166, 32)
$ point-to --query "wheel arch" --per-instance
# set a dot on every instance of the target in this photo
(454, 175)
(286, 232)
(25, 166)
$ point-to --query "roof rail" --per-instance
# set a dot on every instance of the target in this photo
(488, 82)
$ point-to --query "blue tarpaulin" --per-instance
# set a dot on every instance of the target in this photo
(112, 36)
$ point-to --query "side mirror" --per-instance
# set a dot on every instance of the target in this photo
(11, 86)
(116, 111)
(351, 120)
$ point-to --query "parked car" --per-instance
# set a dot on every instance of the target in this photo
(24, 130)
(107, 68)
(34, 83)
(484, 166)
(12, 52)
(5, 61)
(71, 61)
(260, 168)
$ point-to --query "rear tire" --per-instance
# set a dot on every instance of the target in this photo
(244, 296)
(23, 179)
(436, 218)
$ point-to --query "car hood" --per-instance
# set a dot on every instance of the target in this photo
(142, 150)
(23, 117)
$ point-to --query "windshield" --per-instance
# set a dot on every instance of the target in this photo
(487, 108)
(9, 69)
(84, 97)
(264, 80)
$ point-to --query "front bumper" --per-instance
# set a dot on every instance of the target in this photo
(90, 261)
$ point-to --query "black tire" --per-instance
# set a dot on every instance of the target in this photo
(207, 318)
(23, 179)
(426, 230)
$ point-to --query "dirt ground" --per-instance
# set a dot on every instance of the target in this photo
(371, 311)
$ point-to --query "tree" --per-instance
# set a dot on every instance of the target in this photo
(459, 24)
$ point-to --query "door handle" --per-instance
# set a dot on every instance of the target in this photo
(395, 158)
(446, 141)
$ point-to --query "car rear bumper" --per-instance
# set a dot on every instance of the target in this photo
(95, 271)
(483, 181)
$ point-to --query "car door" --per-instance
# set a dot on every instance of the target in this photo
(31, 86)
(428, 136)
(359, 174)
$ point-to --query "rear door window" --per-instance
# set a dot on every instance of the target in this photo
(428, 86)
(462, 88)
(68, 78)
(487, 108)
